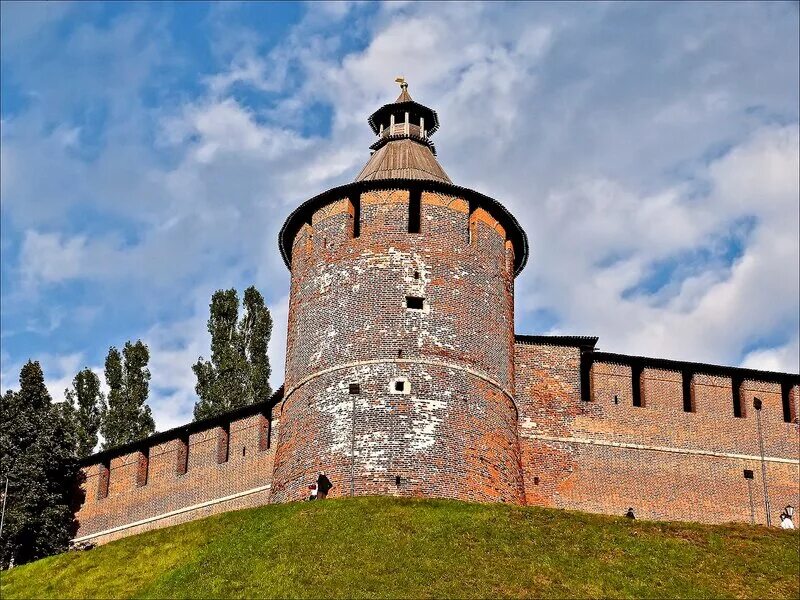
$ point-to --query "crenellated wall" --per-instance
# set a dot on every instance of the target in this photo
(675, 457)
(229, 466)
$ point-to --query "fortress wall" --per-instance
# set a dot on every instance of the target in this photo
(349, 323)
(162, 499)
(605, 455)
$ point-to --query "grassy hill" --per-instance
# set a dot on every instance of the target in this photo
(389, 548)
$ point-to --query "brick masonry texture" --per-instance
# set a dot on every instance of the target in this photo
(404, 378)
(167, 490)
(672, 463)
(454, 434)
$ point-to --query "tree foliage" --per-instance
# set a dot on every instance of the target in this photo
(126, 417)
(238, 372)
(38, 456)
(88, 400)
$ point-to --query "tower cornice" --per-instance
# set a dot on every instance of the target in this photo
(302, 214)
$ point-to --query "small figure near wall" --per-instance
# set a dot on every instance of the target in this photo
(786, 521)
(630, 514)
(313, 494)
(323, 485)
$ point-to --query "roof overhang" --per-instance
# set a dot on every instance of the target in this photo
(382, 114)
(302, 214)
(176, 432)
(695, 367)
(587, 342)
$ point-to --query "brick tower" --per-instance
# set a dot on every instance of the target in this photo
(400, 350)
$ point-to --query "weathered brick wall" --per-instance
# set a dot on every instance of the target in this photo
(606, 454)
(454, 434)
(248, 468)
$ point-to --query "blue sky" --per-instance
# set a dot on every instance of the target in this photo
(151, 151)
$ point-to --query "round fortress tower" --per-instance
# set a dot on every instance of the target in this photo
(400, 350)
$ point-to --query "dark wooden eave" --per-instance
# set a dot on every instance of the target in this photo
(415, 109)
(695, 367)
(302, 214)
(177, 432)
(575, 341)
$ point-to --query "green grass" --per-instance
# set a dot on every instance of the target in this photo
(390, 548)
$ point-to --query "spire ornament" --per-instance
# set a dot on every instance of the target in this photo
(403, 148)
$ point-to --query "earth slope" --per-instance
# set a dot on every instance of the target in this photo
(390, 548)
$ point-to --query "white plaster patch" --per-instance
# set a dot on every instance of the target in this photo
(371, 451)
(425, 423)
(527, 424)
(339, 409)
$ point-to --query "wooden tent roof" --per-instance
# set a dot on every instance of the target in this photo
(403, 158)
(404, 95)
(408, 153)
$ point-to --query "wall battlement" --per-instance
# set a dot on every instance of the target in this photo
(196, 470)
(671, 453)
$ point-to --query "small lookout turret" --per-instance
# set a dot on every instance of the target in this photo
(403, 149)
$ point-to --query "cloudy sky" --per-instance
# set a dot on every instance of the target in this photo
(150, 153)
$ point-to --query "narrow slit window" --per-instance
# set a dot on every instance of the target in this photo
(637, 385)
(688, 392)
(356, 200)
(223, 443)
(789, 414)
(414, 209)
(354, 388)
(143, 468)
(104, 479)
(182, 464)
(736, 392)
(586, 376)
(471, 224)
(264, 431)
(415, 303)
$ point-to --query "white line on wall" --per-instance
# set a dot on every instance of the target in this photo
(573, 440)
(179, 511)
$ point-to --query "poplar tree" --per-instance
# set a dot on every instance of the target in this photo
(238, 372)
(127, 417)
(37, 455)
(256, 331)
(88, 400)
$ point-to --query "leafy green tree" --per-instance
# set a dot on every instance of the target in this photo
(88, 400)
(238, 372)
(127, 418)
(37, 455)
(256, 331)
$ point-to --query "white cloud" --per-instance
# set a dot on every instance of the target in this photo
(781, 358)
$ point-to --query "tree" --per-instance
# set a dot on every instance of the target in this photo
(238, 372)
(38, 442)
(127, 417)
(88, 400)
(256, 331)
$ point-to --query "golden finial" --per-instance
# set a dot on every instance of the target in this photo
(402, 81)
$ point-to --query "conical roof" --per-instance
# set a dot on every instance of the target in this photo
(403, 159)
(404, 95)
(403, 149)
